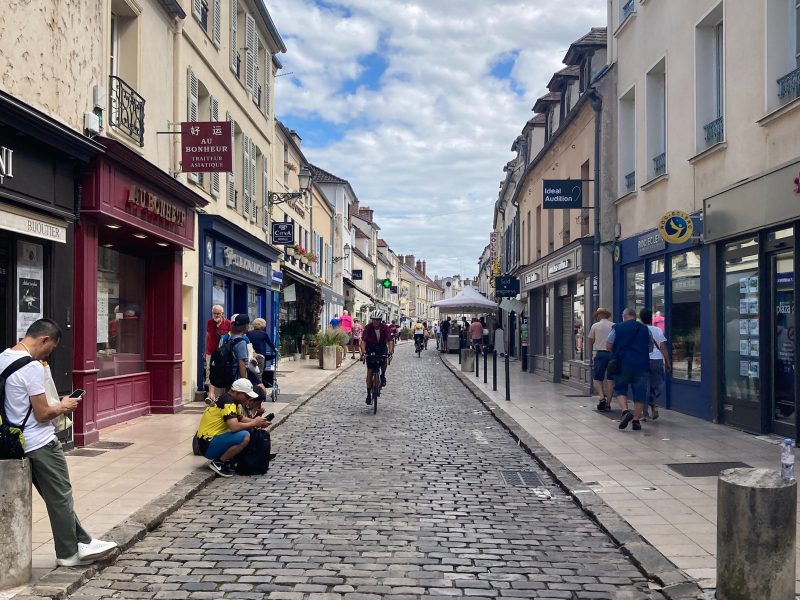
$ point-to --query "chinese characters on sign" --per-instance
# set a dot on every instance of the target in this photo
(206, 147)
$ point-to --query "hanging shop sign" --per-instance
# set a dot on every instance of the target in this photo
(650, 243)
(562, 193)
(358, 275)
(6, 164)
(150, 207)
(676, 227)
(282, 233)
(506, 286)
(206, 147)
(493, 246)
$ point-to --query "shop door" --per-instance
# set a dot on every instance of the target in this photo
(782, 328)
(239, 298)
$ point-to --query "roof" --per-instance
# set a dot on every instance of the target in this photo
(382, 243)
(273, 31)
(551, 98)
(537, 120)
(322, 176)
(569, 72)
(595, 39)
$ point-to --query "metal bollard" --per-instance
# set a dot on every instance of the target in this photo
(485, 360)
(508, 382)
(460, 347)
(477, 360)
(494, 370)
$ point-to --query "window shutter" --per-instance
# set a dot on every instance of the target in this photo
(253, 178)
(214, 103)
(267, 77)
(231, 175)
(250, 63)
(256, 84)
(217, 23)
(191, 110)
(197, 9)
(234, 40)
(265, 223)
(246, 176)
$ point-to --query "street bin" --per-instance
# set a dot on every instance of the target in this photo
(467, 360)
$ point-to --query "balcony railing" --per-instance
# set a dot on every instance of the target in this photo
(630, 181)
(660, 164)
(127, 109)
(715, 131)
(789, 85)
(628, 9)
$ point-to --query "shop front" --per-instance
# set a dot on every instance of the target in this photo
(358, 301)
(332, 304)
(135, 221)
(40, 161)
(557, 290)
(672, 280)
(752, 230)
(236, 273)
(300, 310)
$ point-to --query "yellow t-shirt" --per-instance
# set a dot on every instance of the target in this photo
(213, 420)
(419, 328)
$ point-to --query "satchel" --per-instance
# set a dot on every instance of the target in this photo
(12, 438)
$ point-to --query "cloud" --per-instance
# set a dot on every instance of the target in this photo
(417, 104)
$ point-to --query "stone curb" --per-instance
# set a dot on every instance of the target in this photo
(61, 582)
(676, 585)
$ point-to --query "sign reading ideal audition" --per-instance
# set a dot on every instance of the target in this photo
(676, 227)
(506, 286)
(563, 193)
(282, 233)
(206, 147)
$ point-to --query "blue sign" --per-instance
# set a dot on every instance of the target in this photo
(393, 289)
(277, 277)
(562, 193)
(282, 233)
(358, 275)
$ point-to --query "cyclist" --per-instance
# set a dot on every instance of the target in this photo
(419, 334)
(377, 339)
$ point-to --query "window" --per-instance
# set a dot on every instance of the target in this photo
(219, 293)
(685, 315)
(783, 52)
(710, 83)
(120, 318)
(627, 142)
(634, 287)
(626, 9)
(200, 11)
(235, 58)
(657, 120)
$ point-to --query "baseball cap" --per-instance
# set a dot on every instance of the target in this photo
(240, 322)
(243, 385)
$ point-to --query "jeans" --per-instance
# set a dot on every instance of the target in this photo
(222, 442)
(51, 480)
(657, 383)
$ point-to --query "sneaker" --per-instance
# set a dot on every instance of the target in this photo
(603, 405)
(95, 550)
(654, 410)
(627, 417)
(383, 380)
(272, 456)
(220, 468)
(369, 400)
(636, 426)
(73, 561)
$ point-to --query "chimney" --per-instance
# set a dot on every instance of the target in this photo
(366, 213)
(424, 268)
(410, 261)
(354, 207)
(419, 267)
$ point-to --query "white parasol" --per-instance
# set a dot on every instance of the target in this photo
(469, 300)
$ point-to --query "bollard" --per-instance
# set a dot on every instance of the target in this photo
(477, 361)
(494, 370)
(16, 523)
(460, 348)
(485, 359)
(508, 382)
(756, 532)
(467, 358)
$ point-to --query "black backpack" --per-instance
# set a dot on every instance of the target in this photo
(12, 440)
(220, 369)
(254, 459)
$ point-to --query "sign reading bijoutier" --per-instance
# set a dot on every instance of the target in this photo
(206, 147)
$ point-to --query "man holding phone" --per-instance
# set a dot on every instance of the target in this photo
(26, 403)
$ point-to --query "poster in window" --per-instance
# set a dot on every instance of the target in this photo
(744, 306)
(30, 273)
(744, 368)
(102, 314)
(752, 284)
(753, 327)
(753, 308)
(754, 369)
(743, 285)
(744, 326)
(744, 347)
(754, 348)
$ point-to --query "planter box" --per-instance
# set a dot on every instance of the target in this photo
(330, 358)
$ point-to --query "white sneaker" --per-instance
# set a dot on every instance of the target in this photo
(73, 561)
(95, 550)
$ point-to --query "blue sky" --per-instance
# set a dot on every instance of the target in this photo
(417, 103)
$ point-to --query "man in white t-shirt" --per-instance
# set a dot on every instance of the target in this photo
(659, 364)
(26, 403)
(598, 336)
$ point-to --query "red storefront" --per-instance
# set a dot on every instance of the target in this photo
(135, 221)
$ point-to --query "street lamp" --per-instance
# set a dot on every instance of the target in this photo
(346, 254)
(305, 181)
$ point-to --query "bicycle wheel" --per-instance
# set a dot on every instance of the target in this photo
(376, 389)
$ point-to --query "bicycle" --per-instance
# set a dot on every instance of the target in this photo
(418, 345)
(374, 363)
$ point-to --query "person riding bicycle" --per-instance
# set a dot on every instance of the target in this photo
(377, 341)
(419, 334)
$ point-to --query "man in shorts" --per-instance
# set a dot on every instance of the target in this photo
(631, 343)
(598, 336)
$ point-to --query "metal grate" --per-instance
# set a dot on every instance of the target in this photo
(85, 452)
(522, 478)
(111, 445)
(707, 469)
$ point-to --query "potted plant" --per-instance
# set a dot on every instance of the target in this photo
(405, 333)
(290, 250)
(331, 341)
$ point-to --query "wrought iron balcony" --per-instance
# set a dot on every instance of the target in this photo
(660, 164)
(789, 85)
(715, 131)
(630, 181)
(628, 9)
(127, 109)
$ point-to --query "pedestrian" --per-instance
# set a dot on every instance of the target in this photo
(346, 323)
(437, 330)
(598, 336)
(239, 353)
(358, 331)
(262, 347)
(660, 363)
(630, 343)
(445, 328)
(216, 327)
(26, 404)
(334, 322)
(476, 333)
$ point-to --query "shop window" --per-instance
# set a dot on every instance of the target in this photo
(219, 294)
(547, 324)
(634, 287)
(120, 318)
(253, 303)
(685, 316)
(578, 311)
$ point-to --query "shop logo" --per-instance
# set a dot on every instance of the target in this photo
(233, 258)
(6, 164)
(153, 206)
(796, 184)
(676, 227)
(559, 266)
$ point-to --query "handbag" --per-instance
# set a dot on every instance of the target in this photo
(12, 438)
(614, 367)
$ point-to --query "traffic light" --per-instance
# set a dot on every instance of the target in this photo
(386, 283)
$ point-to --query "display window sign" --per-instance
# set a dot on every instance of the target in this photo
(30, 276)
(233, 260)
(206, 147)
(531, 278)
(152, 208)
(562, 193)
(676, 227)
(558, 267)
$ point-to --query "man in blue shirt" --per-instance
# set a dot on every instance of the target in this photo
(631, 343)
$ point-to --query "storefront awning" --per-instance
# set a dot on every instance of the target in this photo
(331, 297)
(358, 289)
(302, 279)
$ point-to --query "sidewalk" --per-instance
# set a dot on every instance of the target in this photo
(628, 469)
(153, 453)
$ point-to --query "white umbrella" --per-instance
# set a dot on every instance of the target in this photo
(469, 300)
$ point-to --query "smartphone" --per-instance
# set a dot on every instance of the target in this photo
(77, 393)
(270, 416)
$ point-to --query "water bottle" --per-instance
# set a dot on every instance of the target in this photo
(787, 460)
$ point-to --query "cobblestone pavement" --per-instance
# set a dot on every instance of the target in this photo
(408, 503)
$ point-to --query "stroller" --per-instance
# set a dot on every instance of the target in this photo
(269, 376)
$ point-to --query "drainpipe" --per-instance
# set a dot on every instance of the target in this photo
(597, 106)
(176, 74)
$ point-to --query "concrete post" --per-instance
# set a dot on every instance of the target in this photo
(467, 360)
(756, 532)
(16, 523)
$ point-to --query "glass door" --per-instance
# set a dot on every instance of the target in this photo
(784, 402)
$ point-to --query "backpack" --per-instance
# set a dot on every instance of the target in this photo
(12, 440)
(220, 366)
(254, 459)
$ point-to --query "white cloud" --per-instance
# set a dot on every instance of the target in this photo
(426, 149)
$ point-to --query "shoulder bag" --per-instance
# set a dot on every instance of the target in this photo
(12, 440)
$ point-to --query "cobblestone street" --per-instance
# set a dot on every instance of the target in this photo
(408, 503)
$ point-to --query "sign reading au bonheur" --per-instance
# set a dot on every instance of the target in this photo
(206, 147)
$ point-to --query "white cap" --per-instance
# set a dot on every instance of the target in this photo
(243, 385)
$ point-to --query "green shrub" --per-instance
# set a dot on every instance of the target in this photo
(333, 337)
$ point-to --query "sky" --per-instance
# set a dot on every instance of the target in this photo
(417, 104)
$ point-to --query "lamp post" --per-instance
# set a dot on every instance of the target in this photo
(279, 198)
(344, 256)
